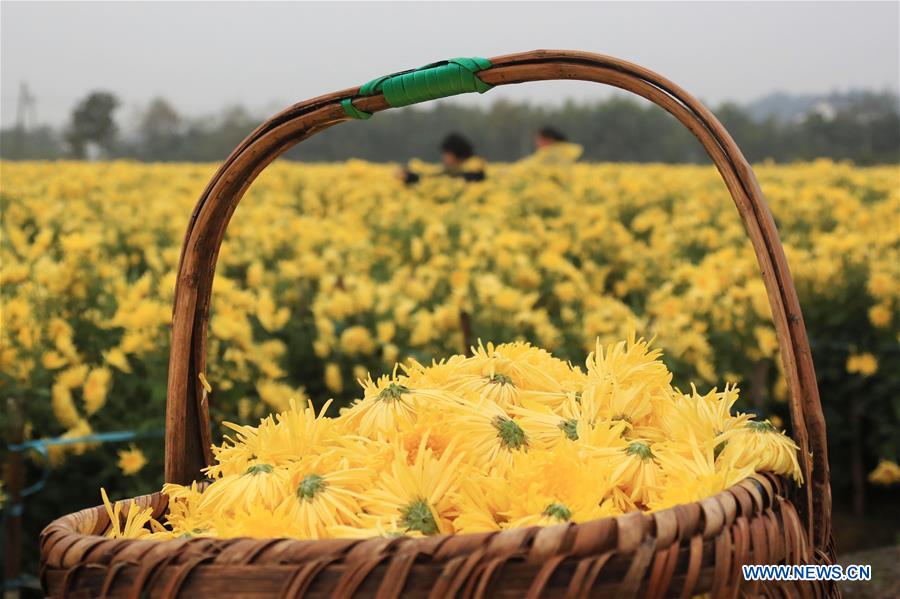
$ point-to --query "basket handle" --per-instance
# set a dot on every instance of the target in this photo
(188, 436)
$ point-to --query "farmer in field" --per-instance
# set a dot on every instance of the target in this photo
(552, 148)
(459, 159)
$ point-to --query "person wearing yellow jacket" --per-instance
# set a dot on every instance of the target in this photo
(553, 149)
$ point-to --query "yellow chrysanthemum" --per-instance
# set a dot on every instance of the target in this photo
(488, 434)
(693, 473)
(255, 519)
(131, 460)
(434, 427)
(437, 375)
(137, 519)
(260, 483)
(624, 381)
(278, 440)
(416, 496)
(886, 473)
(550, 487)
(506, 372)
(760, 446)
(389, 405)
(705, 417)
(865, 364)
(546, 427)
(184, 517)
(334, 379)
(603, 437)
(482, 501)
(324, 497)
(637, 472)
(95, 389)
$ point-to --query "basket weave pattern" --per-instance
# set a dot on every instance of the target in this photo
(748, 523)
(685, 550)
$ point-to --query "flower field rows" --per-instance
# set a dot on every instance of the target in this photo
(330, 272)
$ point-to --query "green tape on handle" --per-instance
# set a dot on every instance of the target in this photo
(353, 111)
(433, 81)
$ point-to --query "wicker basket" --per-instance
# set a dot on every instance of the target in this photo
(682, 551)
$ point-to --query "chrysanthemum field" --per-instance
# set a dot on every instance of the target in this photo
(333, 272)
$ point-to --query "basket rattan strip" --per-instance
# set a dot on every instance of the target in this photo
(681, 550)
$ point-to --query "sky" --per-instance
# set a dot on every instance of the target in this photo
(206, 55)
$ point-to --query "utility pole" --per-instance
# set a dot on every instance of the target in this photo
(26, 108)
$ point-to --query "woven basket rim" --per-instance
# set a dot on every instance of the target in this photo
(760, 490)
(696, 547)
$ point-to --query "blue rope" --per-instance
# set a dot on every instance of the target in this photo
(41, 445)
(14, 510)
(22, 581)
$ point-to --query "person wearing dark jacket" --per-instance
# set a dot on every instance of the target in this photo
(459, 160)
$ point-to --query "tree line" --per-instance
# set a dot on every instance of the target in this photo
(864, 128)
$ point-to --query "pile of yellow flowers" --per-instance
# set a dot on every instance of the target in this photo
(507, 437)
